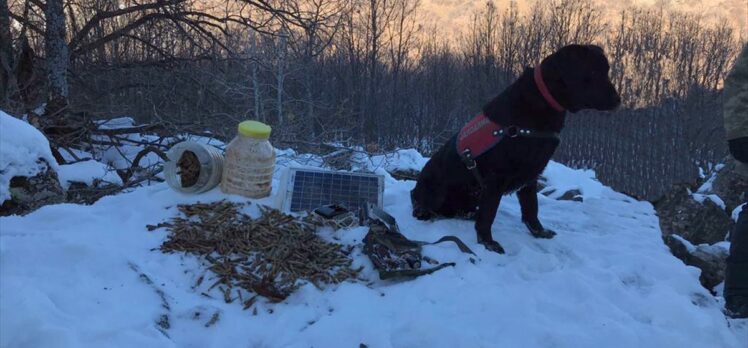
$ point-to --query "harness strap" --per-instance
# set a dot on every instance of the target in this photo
(389, 250)
(531, 133)
(472, 166)
(460, 244)
(384, 275)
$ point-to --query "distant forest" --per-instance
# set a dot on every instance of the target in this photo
(368, 73)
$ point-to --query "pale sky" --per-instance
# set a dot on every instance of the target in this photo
(453, 14)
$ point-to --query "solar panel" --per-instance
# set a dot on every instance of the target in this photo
(307, 189)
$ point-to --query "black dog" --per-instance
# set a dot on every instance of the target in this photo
(528, 116)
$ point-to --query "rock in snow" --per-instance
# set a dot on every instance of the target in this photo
(710, 259)
(698, 222)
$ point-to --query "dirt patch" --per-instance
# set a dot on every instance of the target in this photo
(270, 256)
(189, 168)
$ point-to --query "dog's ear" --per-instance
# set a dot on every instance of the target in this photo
(576, 50)
(596, 49)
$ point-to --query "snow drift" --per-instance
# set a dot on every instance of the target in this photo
(22, 149)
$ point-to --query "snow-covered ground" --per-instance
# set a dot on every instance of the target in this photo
(87, 172)
(72, 276)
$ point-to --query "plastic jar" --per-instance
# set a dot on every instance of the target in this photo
(250, 160)
(192, 167)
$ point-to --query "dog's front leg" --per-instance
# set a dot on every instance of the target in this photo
(487, 207)
(528, 202)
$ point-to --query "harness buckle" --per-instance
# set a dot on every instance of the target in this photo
(470, 164)
(467, 158)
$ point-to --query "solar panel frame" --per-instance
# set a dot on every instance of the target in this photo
(307, 189)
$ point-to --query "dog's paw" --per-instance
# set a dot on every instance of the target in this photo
(422, 214)
(493, 245)
(544, 233)
(538, 231)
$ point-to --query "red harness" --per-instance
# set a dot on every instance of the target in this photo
(478, 136)
(481, 134)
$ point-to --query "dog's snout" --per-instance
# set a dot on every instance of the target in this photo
(616, 101)
(614, 97)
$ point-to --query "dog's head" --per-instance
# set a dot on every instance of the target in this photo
(577, 75)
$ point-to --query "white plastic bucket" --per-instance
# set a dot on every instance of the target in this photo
(211, 166)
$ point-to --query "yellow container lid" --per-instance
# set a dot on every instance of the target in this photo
(254, 129)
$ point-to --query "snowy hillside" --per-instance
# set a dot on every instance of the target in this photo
(91, 276)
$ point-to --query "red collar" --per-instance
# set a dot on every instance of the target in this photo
(544, 90)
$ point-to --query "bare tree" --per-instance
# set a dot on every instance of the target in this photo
(321, 21)
(280, 75)
(6, 55)
(364, 72)
(259, 112)
(58, 57)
